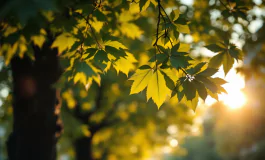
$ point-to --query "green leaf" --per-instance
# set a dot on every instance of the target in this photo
(161, 48)
(115, 44)
(168, 78)
(179, 89)
(117, 53)
(180, 95)
(197, 68)
(183, 28)
(101, 59)
(157, 89)
(170, 73)
(160, 58)
(141, 79)
(75, 46)
(207, 83)
(214, 48)
(213, 95)
(216, 61)
(83, 71)
(82, 66)
(175, 47)
(189, 90)
(99, 15)
(208, 72)
(226, 13)
(201, 89)
(228, 62)
(101, 56)
(145, 67)
(235, 52)
(175, 14)
(218, 81)
(91, 52)
(180, 61)
(179, 54)
(191, 103)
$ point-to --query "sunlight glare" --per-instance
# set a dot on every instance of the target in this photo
(173, 143)
(166, 149)
(235, 97)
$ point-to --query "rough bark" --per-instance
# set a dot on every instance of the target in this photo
(35, 106)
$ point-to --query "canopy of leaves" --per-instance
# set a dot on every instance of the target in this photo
(93, 37)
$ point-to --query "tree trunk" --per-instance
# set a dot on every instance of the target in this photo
(35, 106)
(83, 148)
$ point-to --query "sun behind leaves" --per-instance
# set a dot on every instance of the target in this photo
(93, 40)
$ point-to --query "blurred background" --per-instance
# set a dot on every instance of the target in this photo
(114, 126)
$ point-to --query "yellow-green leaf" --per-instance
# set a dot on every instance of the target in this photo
(228, 62)
(144, 4)
(183, 47)
(115, 44)
(80, 76)
(38, 40)
(183, 28)
(125, 64)
(63, 42)
(154, 2)
(216, 61)
(176, 14)
(172, 74)
(127, 28)
(192, 104)
(141, 79)
(157, 89)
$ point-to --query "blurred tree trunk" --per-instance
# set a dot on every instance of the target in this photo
(35, 106)
(83, 145)
(83, 148)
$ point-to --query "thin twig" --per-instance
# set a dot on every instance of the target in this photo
(224, 4)
(158, 23)
(183, 70)
(92, 31)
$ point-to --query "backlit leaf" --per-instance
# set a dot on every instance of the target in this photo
(214, 48)
(228, 62)
(125, 64)
(63, 42)
(115, 44)
(144, 4)
(183, 28)
(157, 89)
(201, 89)
(216, 61)
(140, 78)
(175, 14)
(208, 72)
(189, 90)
